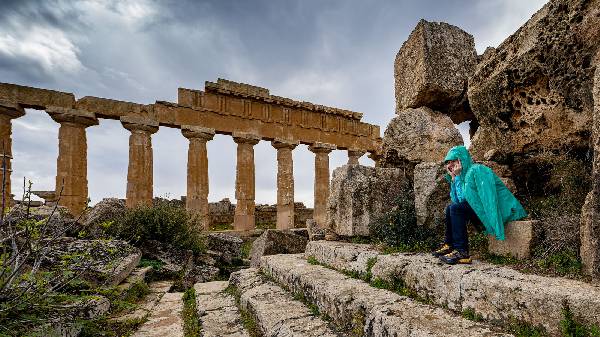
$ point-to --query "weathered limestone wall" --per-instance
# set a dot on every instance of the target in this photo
(590, 217)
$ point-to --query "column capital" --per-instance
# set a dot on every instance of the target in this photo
(284, 143)
(319, 147)
(74, 116)
(139, 123)
(245, 138)
(356, 152)
(375, 156)
(11, 109)
(191, 131)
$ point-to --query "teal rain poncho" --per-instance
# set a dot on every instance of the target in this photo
(487, 195)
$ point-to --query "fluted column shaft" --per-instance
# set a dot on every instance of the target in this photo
(285, 183)
(321, 187)
(197, 172)
(245, 182)
(71, 164)
(140, 179)
(8, 111)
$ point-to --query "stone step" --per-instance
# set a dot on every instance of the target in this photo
(137, 275)
(356, 306)
(495, 293)
(218, 313)
(165, 318)
(147, 304)
(276, 312)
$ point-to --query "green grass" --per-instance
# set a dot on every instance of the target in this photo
(313, 260)
(155, 264)
(246, 248)
(191, 321)
(470, 314)
(570, 327)
(221, 227)
(523, 329)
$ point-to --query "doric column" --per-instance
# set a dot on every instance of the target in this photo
(321, 152)
(244, 181)
(354, 155)
(285, 183)
(71, 164)
(197, 171)
(139, 172)
(8, 111)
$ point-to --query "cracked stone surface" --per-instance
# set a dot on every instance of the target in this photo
(276, 313)
(165, 319)
(218, 313)
(494, 292)
(355, 305)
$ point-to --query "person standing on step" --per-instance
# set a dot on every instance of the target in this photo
(478, 196)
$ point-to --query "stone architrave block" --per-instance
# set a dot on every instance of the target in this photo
(520, 239)
(359, 194)
(431, 193)
(432, 67)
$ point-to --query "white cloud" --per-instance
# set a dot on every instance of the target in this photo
(49, 47)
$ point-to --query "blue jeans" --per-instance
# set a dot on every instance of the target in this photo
(457, 216)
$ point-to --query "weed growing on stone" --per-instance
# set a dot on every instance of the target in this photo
(570, 327)
(248, 320)
(398, 229)
(370, 263)
(524, 329)
(155, 264)
(246, 248)
(312, 260)
(191, 321)
(470, 314)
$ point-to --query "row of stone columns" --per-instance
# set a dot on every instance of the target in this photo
(71, 167)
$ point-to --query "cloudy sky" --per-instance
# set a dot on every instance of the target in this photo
(333, 52)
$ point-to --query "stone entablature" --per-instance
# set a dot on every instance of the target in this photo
(248, 113)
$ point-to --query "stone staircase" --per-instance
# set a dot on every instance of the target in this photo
(344, 289)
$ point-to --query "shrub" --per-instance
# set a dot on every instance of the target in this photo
(398, 228)
(162, 222)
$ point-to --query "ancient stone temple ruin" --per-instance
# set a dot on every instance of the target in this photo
(248, 113)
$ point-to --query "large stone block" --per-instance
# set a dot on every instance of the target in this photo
(273, 242)
(418, 135)
(359, 194)
(521, 237)
(534, 92)
(431, 194)
(432, 67)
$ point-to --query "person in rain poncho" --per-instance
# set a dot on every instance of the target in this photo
(477, 194)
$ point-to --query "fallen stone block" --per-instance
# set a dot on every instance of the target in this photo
(360, 194)
(341, 255)
(521, 237)
(432, 67)
(418, 135)
(431, 194)
(228, 247)
(276, 242)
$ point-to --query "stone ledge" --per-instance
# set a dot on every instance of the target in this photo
(217, 311)
(496, 293)
(356, 306)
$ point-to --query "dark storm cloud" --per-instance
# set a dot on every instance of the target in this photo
(334, 52)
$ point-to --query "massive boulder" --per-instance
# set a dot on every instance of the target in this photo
(109, 209)
(360, 194)
(534, 92)
(417, 135)
(432, 67)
